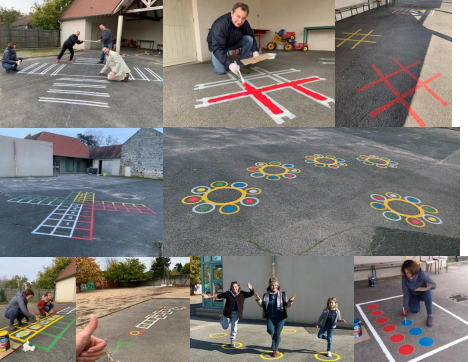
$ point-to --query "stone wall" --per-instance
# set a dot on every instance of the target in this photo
(143, 152)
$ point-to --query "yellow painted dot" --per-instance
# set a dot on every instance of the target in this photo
(200, 190)
(432, 218)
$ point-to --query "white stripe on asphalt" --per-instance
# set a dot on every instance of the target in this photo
(141, 74)
(79, 85)
(47, 69)
(76, 101)
(154, 74)
(132, 77)
(327, 62)
(66, 91)
(85, 80)
(58, 69)
(36, 69)
(29, 67)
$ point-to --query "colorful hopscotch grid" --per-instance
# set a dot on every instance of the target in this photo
(411, 341)
(417, 12)
(153, 318)
(67, 310)
(25, 332)
(61, 222)
(122, 207)
(357, 40)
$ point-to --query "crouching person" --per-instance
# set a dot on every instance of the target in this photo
(9, 60)
(18, 309)
(45, 305)
(114, 62)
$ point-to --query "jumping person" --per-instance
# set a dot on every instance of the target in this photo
(106, 41)
(412, 278)
(228, 32)
(327, 322)
(114, 62)
(274, 304)
(45, 305)
(9, 60)
(234, 306)
(18, 308)
(69, 43)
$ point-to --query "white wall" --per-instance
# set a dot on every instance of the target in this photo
(34, 158)
(144, 30)
(70, 27)
(66, 291)
(115, 165)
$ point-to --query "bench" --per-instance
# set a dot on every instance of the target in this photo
(355, 7)
(147, 41)
(307, 28)
(340, 10)
(374, 266)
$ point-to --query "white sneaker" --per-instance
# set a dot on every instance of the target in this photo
(329, 354)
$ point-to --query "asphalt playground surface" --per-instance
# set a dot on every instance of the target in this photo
(55, 343)
(181, 94)
(322, 211)
(114, 233)
(421, 40)
(447, 327)
(137, 102)
(298, 342)
(168, 337)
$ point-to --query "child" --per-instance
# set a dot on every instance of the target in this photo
(45, 305)
(327, 322)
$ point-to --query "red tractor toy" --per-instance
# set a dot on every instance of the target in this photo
(286, 38)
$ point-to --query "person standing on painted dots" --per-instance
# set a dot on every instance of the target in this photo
(274, 304)
(412, 278)
(327, 322)
(45, 305)
(18, 308)
(228, 32)
(234, 306)
(106, 41)
(118, 67)
(69, 44)
(9, 60)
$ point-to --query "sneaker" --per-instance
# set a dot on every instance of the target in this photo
(58, 60)
(100, 62)
(71, 61)
(126, 77)
(275, 353)
(430, 321)
(15, 70)
(12, 327)
(329, 354)
(8, 71)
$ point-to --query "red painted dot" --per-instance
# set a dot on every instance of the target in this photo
(406, 349)
(192, 199)
(249, 201)
(415, 222)
(389, 328)
(379, 197)
(376, 312)
(381, 320)
(289, 176)
(372, 306)
(254, 169)
(397, 338)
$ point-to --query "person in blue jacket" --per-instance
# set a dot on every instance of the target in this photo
(413, 278)
(9, 60)
(228, 32)
(18, 308)
(69, 44)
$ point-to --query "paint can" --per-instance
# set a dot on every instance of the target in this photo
(4, 341)
(372, 281)
(357, 328)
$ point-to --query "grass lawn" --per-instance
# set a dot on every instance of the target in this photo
(26, 53)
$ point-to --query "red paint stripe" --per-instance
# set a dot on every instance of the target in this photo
(262, 98)
(310, 93)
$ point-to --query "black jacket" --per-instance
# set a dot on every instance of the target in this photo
(72, 40)
(409, 288)
(229, 306)
(224, 34)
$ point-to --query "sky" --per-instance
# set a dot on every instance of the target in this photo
(10, 267)
(21, 5)
(122, 134)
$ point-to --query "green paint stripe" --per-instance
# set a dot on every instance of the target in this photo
(47, 349)
(47, 334)
(56, 327)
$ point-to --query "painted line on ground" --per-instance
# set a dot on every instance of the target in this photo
(79, 85)
(47, 69)
(131, 77)
(143, 76)
(29, 67)
(58, 70)
(154, 74)
(77, 101)
(85, 80)
(66, 91)
(36, 69)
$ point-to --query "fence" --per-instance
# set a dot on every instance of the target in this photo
(172, 279)
(38, 293)
(29, 38)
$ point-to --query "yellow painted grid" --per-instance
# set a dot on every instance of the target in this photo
(356, 40)
(34, 332)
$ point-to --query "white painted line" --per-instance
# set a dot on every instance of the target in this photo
(73, 101)
(327, 58)
(327, 62)
(379, 300)
(29, 67)
(143, 76)
(445, 310)
(58, 69)
(66, 91)
(438, 350)
(154, 74)
(80, 206)
(79, 85)
(132, 77)
(47, 69)
(85, 80)
(36, 69)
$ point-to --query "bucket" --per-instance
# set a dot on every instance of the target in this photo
(357, 328)
(372, 281)
(4, 341)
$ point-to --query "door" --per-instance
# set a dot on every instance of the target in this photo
(100, 167)
(67, 166)
(57, 166)
(107, 167)
(179, 32)
(78, 166)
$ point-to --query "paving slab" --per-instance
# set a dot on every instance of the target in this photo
(53, 336)
(394, 66)
(49, 94)
(83, 215)
(218, 200)
(379, 309)
(208, 342)
(300, 93)
(148, 330)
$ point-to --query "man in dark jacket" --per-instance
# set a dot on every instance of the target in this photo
(106, 41)
(69, 43)
(9, 60)
(228, 32)
(18, 308)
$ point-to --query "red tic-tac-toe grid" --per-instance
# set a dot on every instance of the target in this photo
(400, 98)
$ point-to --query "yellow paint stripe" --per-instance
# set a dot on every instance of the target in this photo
(360, 34)
(77, 196)
(34, 332)
(348, 38)
(360, 41)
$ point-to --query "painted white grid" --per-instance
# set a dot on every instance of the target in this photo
(66, 311)
(73, 210)
(148, 323)
(385, 349)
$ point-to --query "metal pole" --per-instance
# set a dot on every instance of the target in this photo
(273, 271)
(119, 34)
(16, 159)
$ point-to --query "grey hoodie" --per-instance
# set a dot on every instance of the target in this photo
(323, 318)
(9, 56)
(409, 288)
(20, 301)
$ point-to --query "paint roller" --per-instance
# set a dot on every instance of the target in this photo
(91, 41)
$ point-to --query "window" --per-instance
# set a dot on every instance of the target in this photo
(212, 280)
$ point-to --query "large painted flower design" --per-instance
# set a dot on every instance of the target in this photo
(207, 198)
(381, 162)
(395, 208)
(273, 170)
(326, 161)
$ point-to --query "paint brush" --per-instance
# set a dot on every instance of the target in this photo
(404, 313)
(241, 77)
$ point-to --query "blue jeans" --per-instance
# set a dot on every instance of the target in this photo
(9, 66)
(46, 308)
(234, 319)
(274, 328)
(329, 336)
(246, 44)
(107, 45)
(415, 302)
(14, 313)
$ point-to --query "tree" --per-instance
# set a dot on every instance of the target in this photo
(88, 139)
(46, 278)
(185, 269)
(111, 141)
(160, 267)
(93, 139)
(17, 282)
(45, 16)
(131, 269)
(110, 262)
(87, 270)
(178, 267)
(8, 16)
(195, 270)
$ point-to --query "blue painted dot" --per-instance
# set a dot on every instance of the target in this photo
(229, 208)
(340, 160)
(406, 323)
(415, 331)
(379, 206)
(238, 185)
(288, 165)
(320, 164)
(274, 177)
(426, 341)
(412, 199)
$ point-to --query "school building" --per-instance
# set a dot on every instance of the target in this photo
(65, 284)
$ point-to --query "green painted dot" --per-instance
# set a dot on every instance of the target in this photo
(219, 184)
(276, 163)
(309, 161)
(428, 208)
(391, 215)
(258, 174)
(204, 207)
(328, 156)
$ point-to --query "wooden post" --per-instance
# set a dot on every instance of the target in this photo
(37, 38)
(119, 34)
